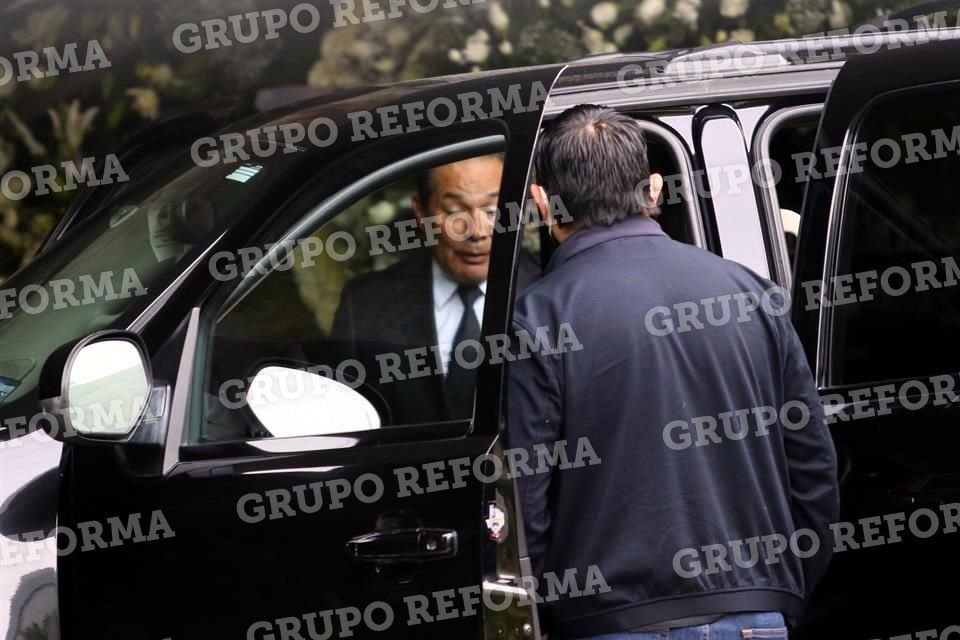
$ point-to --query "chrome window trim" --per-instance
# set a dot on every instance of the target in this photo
(181, 403)
(720, 200)
(781, 267)
(716, 90)
(824, 347)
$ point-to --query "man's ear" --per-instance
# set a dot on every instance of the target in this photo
(656, 186)
(542, 201)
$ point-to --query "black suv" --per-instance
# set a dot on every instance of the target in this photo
(186, 514)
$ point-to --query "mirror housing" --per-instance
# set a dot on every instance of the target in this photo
(97, 388)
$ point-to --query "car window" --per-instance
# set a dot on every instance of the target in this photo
(790, 145)
(355, 324)
(896, 311)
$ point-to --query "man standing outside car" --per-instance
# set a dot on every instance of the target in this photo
(649, 498)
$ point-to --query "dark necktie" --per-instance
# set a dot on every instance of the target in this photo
(461, 380)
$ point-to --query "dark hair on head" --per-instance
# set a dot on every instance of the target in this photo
(425, 178)
(595, 160)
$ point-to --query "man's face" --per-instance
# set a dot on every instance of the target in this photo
(160, 227)
(462, 210)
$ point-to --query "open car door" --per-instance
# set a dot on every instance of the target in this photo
(876, 300)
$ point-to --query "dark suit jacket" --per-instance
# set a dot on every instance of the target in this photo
(391, 312)
(387, 314)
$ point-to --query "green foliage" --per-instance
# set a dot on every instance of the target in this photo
(67, 117)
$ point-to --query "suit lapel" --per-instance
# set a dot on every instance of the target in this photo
(413, 297)
(416, 326)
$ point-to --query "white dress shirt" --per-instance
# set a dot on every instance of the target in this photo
(448, 311)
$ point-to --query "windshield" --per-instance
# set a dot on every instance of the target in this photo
(109, 263)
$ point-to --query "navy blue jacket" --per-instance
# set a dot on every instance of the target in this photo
(698, 486)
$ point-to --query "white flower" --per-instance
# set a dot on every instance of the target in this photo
(317, 76)
(160, 75)
(594, 41)
(498, 17)
(385, 65)
(733, 8)
(397, 36)
(382, 212)
(543, 3)
(621, 33)
(361, 49)
(742, 35)
(478, 47)
(146, 102)
(687, 11)
(506, 48)
(604, 14)
(649, 10)
(840, 14)
(455, 56)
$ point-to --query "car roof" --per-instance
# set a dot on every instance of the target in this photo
(717, 72)
(726, 71)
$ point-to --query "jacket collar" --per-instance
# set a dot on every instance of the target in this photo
(592, 236)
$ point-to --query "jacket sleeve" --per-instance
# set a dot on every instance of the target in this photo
(534, 416)
(811, 460)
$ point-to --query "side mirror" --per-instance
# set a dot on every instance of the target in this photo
(97, 388)
(292, 402)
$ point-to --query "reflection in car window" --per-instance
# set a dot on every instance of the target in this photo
(900, 222)
(110, 262)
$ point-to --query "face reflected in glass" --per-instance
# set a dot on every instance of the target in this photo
(160, 224)
(462, 209)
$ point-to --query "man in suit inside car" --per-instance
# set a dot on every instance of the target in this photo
(404, 322)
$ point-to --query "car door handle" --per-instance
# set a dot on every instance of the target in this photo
(403, 545)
